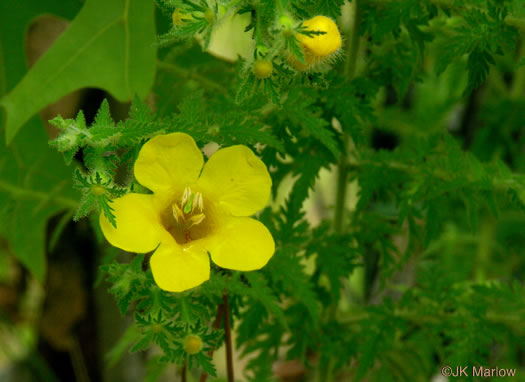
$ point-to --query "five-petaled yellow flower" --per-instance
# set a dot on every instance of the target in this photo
(192, 213)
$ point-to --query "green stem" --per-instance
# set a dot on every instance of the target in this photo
(258, 33)
(349, 73)
(340, 196)
(78, 362)
(353, 45)
(483, 253)
(518, 85)
(191, 75)
(280, 7)
(22, 193)
(3, 72)
(232, 4)
(342, 170)
(57, 232)
(275, 49)
(517, 22)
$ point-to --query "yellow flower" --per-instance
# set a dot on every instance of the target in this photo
(193, 213)
(318, 48)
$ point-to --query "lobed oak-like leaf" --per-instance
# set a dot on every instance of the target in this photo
(109, 45)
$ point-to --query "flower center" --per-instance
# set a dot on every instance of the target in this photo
(187, 220)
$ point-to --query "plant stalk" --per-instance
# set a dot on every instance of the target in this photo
(184, 371)
(190, 74)
(78, 362)
(518, 85)
(349, 73)
(228, 338)
(342, 173)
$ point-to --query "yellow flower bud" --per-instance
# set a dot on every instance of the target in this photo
(262, 69)
(192, 344)
(97, 190)
(321, 45)
(318, 48)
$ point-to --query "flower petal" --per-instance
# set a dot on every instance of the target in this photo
(237, 180)
(242, 244)
(138, 224)
(176, 270)
(168, 161)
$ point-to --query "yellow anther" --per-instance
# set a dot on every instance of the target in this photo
(177, 213)
(185, 196)
(184, 212)
(199, 201)
(195, 220)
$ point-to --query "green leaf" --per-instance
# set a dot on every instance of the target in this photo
(331, 7)
(301, 110)
(143, 344)
(34, 186)
(109, 45)
(483, 36)
(15, 17)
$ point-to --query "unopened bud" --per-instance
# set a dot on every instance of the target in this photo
(262, 69)
(192, 344)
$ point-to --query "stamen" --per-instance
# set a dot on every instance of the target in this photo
(188, 213)
(200, 202)
(195, 220)
(185, 196)
(177, 213)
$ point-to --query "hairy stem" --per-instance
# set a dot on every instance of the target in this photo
(349, 72)
(353, 44)
(342, 170)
